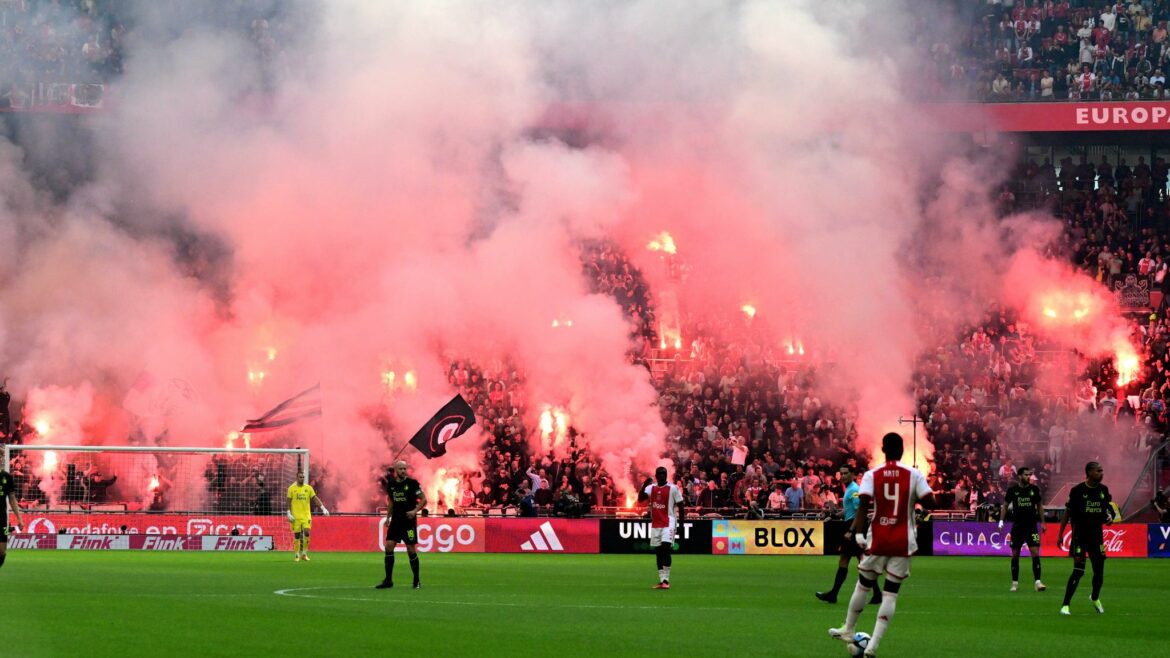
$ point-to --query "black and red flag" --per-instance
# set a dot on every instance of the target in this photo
(455, 418)
(306, 404)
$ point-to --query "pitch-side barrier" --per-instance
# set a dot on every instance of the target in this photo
(703, 536)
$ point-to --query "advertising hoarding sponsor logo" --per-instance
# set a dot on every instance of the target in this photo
(165, 542)
(34, 542)
(523, 535)
(543, 539)
(767, 537)
(1045, 117)
(633, 536)
(93, 542)
(41, 526)
(1121, 539)
(975, 538)
(1158, 535)
(236, 543)
(88, 542)
(169, 524)
(442, 535)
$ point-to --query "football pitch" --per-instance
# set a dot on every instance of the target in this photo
(215, 604)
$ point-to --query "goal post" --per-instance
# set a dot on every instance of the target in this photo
(183, 480)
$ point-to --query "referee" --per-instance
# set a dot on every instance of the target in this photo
(849, 547)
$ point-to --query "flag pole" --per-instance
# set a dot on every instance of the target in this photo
(400, 451)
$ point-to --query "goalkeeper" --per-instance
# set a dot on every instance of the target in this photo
(300, 515)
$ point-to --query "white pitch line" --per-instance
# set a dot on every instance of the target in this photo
(291, 592)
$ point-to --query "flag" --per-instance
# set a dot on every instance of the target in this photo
(455, 418)
(306, 404)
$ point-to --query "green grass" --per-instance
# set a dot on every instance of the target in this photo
(206, 604)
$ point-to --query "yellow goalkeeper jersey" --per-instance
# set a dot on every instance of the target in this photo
(299, 498)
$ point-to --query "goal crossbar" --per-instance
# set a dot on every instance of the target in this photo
(230, 451)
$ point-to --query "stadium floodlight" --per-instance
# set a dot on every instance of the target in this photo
(140, 478)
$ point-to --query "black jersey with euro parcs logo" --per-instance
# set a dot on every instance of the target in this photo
(1088, 510)
(404, 494)
(7, 486)
(1025, 504)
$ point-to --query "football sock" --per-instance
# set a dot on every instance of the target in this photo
(1073, 580)
(305, 545)
(839, 580)
(1098, 575)
(2, 558)
(666, 573)
(1015, 568)
(1036, 567)
(1098, 580)
(885, 614)
(388, 561)
(414, 565)
(856, 605)
(297, 545)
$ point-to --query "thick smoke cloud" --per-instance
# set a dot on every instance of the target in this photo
(408, 183)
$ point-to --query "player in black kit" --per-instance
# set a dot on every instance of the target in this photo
(7, 496)
(1027, 524)
(1088, 509)
(404, 499)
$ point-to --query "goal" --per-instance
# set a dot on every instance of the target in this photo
(60, 478)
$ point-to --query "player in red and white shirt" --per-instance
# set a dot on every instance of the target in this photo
(666, 507)
(890, 540)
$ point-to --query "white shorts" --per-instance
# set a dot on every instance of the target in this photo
(660, 535)
(896, 569)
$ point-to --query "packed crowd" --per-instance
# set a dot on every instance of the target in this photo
(48, 43)
(1046, 50)
(748, 433)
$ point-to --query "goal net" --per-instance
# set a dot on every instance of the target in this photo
(56, 478)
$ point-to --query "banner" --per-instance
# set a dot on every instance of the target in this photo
(1121, 540)
(77, 542)
(1048, 117)
(1158, 540)
(329, 533)
(442, 535)
(529, 535)
(767, 537)
(977, 538)
(160, 524)
(633, 536)
(972, 538)
(1133, 294)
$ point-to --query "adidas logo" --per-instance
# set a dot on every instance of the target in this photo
(544, 539)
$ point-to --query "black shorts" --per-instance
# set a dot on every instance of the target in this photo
(4, 535)
(402, 530)
(1091, 547)
(1026, 535)
(850, 549)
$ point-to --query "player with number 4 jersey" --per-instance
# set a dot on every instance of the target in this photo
(892, 490)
